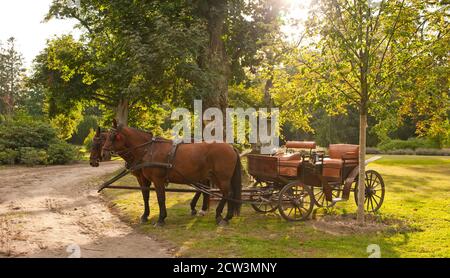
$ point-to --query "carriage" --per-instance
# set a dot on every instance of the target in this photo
(303, 177)
(292, 182)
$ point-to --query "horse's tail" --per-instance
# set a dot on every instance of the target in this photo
(236, 185)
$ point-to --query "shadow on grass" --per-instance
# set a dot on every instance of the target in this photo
(257, 235)
(253, 235)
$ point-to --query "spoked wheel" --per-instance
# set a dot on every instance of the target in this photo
(295, 202)
(261, 199)
(374, 195)
(319, 197)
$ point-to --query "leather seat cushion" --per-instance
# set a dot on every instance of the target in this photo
(346, 151)
(333, 163)
(289, 167)
(300, 145)
(295, 156)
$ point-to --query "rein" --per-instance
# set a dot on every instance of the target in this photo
(129, 150)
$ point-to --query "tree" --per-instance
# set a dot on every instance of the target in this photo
(360, 51)
(130, 52)
(146, 52)
(11, 75)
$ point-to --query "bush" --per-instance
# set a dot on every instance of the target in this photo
(32, 156)
(370, 150)
(401, 152)
(27, 141)
(61, 152)
(21, 133)
(418, 151)
(443, 152)
(412, 144)
(8, 156)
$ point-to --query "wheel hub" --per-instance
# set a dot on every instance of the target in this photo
(370, 192)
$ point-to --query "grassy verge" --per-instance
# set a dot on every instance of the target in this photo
(417, 193)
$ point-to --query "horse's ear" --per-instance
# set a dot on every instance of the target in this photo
(98, 131)
(114, 123)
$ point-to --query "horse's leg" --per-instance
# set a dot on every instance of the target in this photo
(194, 202)
(145, 195)
(219, 210)
(205, 205)
(161, 194)
(230, 210)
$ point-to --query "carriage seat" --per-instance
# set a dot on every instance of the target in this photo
(289, 164)
(300, 145)
(338, 154)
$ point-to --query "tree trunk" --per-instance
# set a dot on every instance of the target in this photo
(268, 103)
(362, 166)
(122, 112)
(267, 94)
(215, 58)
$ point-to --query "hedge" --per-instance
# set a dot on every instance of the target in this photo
(33, 143)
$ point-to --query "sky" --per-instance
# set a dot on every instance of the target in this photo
(23, 19)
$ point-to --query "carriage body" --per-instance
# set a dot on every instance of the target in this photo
(307, 177)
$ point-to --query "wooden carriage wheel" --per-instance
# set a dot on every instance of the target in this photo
(295, 201)
(374, 195)
(319, 197)
(267, 192)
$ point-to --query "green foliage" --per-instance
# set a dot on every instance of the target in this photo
(89, 138)
(145, 52)
(371, 57)
(30, 142)
(32, 101)
(411, 144)
(439, 152)
(61, 152)
(88, 123)
(33, 156)
(65, 124)
(20, 133)
(8, 156)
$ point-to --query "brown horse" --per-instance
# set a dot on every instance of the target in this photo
(192, 163)
(96, 157)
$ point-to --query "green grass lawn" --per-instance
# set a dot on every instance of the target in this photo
(417, 195)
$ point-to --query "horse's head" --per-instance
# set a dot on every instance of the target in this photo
(96, 148)
(115, 140)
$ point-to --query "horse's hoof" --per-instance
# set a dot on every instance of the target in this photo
(159, 224)
(144, 220)
(202, 213)
(193, 212)
(218, 220)
(223, 223)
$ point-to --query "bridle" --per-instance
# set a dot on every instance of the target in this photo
(97, 144)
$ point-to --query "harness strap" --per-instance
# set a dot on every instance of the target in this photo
(198, 186)
(171, 158)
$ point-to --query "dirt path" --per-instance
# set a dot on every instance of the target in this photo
(55, 212)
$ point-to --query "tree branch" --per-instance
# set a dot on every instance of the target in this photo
(390, 38)
(330, 82)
